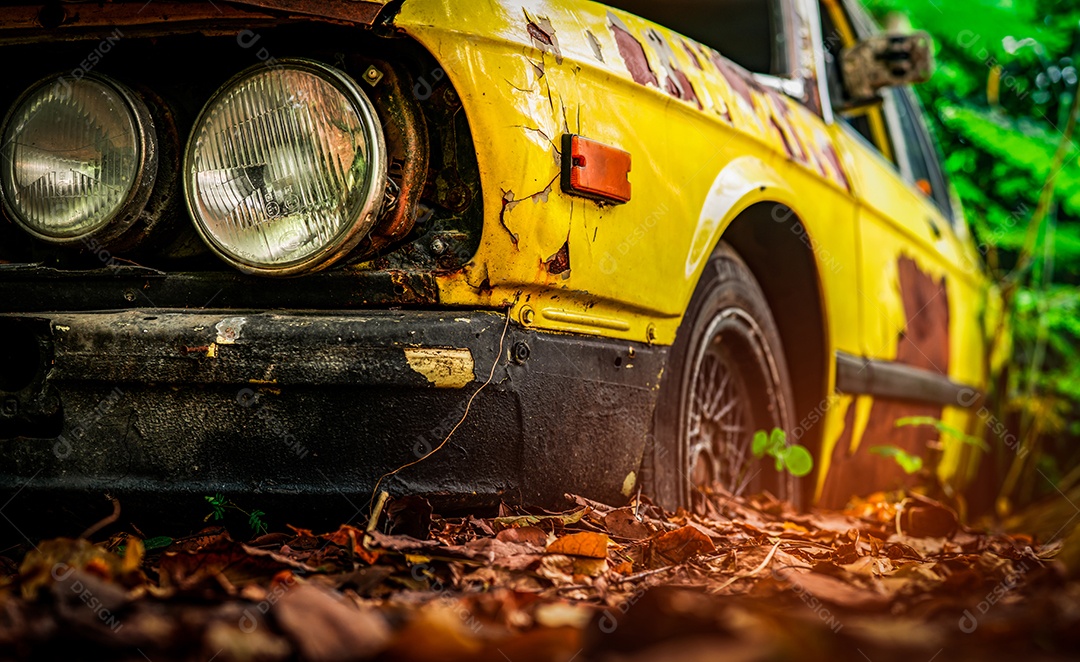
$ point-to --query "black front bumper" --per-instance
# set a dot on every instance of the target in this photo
(163, 407)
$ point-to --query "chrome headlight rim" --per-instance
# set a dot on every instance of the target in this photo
(127, 212)
(373, 187)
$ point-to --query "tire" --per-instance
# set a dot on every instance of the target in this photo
(728, 344)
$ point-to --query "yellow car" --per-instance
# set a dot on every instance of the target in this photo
(479, 251)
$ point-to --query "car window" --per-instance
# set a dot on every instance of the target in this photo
(840, 29)
(919, 151)
(748, 32)
(834, 44)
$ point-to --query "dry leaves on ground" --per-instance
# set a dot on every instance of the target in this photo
(893, 577)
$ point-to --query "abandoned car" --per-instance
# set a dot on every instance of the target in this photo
(478, 251)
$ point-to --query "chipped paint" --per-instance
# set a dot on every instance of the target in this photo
(923, 343)
(445, 368)
(687, 114)
(229, 330)
(543, 36)
(632, 52)
(594, 44)
(509, 203)
(676, 82)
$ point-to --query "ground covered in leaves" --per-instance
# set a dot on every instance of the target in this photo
(892, 577)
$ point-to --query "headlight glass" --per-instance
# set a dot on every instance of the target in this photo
(285, 169)
(78, 158)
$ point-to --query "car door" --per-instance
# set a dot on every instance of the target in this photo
(921, 340)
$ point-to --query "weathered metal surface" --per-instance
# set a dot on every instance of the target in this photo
(70, 20)
(896, 381)
(318, 403)
(407, 146)
(33, 288)
(922, 344)
(178, 73)
(710, 143)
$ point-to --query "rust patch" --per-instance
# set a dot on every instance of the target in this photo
(923, 343)
(560, 261)
(408, 287)
(737, 77)
(632, 53)
(543, 36)
(834, 159)
(687, 92)
(783, 137)
(675, 81)
(782, 118)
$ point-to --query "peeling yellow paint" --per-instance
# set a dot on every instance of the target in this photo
(445, 368)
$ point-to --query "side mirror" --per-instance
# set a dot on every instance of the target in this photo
(885, 60)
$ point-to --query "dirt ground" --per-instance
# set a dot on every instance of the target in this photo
(892, 577)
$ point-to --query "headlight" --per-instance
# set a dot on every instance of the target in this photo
(79, 159)
(285, 170)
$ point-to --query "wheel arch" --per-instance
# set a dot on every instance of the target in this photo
(766, 234)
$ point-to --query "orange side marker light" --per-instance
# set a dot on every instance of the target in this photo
(594, 170)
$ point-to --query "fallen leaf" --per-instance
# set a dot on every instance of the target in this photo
(585, 543)
(326, 628)
(532, 520)
(622, 523)
(529, 535)
(683, 543)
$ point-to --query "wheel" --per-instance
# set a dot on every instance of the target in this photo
(726, 378)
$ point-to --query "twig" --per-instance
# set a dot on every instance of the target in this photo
(468, 405)
(747, 575)
(628, 578)
(374, 520)
(106, 521)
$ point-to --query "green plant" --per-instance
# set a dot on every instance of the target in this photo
(908, 462)
(219, 504)
(1003, 104)
(943, 429)
(791, 457)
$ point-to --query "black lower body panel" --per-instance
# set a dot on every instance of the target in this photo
(303, 412)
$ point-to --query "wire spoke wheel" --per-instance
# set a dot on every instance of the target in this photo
(727, 379)
(732, 395)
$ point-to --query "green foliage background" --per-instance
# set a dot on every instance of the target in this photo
(998, 151)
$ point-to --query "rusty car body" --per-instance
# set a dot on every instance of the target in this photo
(549, 310)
